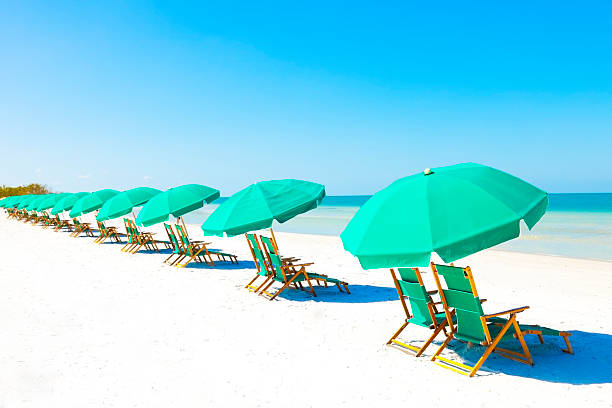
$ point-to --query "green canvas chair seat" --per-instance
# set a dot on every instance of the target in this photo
(422, 311)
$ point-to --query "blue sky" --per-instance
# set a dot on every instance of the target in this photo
(349, 94)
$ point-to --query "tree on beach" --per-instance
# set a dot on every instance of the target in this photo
(33, 188)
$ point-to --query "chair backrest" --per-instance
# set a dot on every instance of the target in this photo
(75, 221)
(411, 286)
(101, 227)
(258, 257)
(274, 258)
(185, 240)
(128, 230)
(176, 247)
(461, 295)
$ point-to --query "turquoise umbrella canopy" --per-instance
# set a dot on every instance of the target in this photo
(92, 202)
(16, 200)
(66, 203)
(258, 205)
(50, 200)
(176, 201)
(454, 211)
(33, 205)
(124, 202)
(27, 200)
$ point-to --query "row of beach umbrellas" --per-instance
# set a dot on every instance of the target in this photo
(453, 211)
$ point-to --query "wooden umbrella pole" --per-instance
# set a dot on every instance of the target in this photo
(184, 226)
(274, 240)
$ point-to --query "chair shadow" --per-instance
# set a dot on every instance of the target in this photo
(590, 364)
(224, 265)
(331, 294)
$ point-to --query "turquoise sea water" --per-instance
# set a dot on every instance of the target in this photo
(575, 225)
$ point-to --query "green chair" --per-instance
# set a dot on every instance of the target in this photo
(475, 327)
(422, 312)
(139, 239)
(107, 233)
(260, 263)
(81, 227)
(197, 250)
(286, 274)
(177, 249)
(272, 248)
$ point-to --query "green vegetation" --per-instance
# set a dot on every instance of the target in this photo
(33, 188)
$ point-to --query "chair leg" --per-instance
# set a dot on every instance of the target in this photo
(398, 332)
(569, 348)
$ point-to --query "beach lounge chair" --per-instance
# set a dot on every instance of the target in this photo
(272, 248)
(107, 233)
(177, 248)
(197, 250)
(422, 312)
(475, 327)
(260, 264)
(286, 274)
(139, 239)
(80, 227)
(59, 224)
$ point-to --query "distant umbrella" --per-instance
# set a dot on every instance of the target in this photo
(258, 205)
(50, 200)
(92, 202)
(33, 205)
(176, 201)
(454, 211)
(124, 202)
(27, 200)
(66, 203)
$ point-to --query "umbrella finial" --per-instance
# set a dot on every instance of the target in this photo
(427, 171)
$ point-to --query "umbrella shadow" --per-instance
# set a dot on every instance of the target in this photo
(590, 363)
(331, 294)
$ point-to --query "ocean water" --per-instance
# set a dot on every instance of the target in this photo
(575, 225)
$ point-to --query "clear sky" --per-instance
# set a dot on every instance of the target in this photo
(350, 94)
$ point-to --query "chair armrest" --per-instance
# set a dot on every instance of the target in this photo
(432, 292)
(511, 311)
(294, 265)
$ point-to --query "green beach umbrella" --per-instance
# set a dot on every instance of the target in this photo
(27, 200)
(66, 203)
(92, 202)
(16, 200)
(454, 211)
(258, 205)
(122, 203)
(176, 201)
(50, 200)
(33, 205)
(6, 201)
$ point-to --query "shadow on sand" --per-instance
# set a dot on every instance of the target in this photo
(590, 364)
(331, 294)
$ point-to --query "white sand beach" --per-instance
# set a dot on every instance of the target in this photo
(86, 325)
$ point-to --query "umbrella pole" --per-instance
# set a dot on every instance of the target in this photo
(274, 240)
(184, 226)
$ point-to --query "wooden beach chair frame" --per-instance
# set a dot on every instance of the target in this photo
(80, 227)
(197, 250)
(271, 246)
